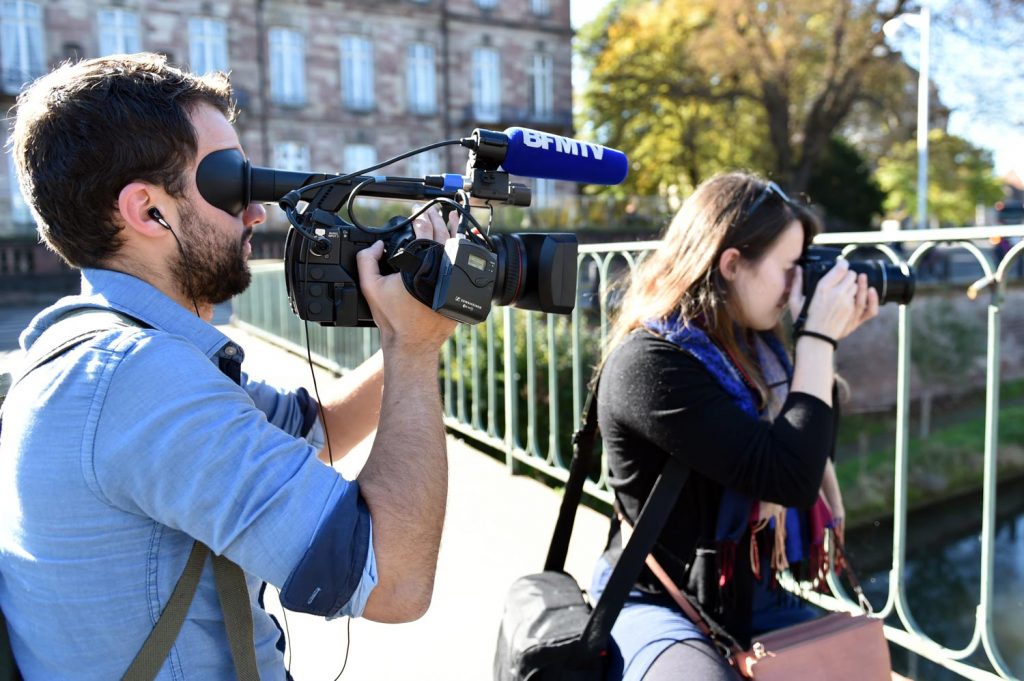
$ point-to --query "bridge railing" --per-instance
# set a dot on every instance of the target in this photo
(517, 383)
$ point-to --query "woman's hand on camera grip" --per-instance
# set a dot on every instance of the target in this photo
(841, 302)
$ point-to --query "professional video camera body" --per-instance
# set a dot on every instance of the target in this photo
(460, 278)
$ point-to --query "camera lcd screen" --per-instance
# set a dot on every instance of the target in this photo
(476, 262)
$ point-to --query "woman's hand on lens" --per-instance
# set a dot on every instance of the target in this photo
(840, 302)
(865, 305)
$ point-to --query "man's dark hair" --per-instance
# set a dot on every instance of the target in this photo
(89, 128)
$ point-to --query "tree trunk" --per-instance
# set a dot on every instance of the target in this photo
(926, 413)
(776, 105)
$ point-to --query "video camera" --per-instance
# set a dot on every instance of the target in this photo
(460, 278)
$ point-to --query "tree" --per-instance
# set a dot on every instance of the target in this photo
(691, 87)
(960, 176)
(944, 351)
(845, 187)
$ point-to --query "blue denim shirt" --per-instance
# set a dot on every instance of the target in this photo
(120, 453)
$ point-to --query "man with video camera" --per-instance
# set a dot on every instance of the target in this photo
(141, 441)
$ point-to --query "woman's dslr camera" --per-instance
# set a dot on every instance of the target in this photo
(894, 283)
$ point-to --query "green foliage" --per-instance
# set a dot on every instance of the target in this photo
(693, 87)
(960, 176)
(542, 344)
(946, 342)
(845, 187)
(949, 461)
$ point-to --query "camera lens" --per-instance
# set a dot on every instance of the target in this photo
(536, 271)
(511, 268)
(894, 283)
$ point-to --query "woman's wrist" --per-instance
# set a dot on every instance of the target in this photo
(817, 336)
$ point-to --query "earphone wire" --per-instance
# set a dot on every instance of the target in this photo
(330, 456)
(348, 646)
(188, 269)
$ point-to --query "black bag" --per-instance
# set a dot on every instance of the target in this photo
(548, 630)
(545, 615)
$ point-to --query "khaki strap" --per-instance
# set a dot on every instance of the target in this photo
(234, 601)
(150, 659)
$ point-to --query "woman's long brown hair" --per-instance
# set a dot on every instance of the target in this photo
(682, 278)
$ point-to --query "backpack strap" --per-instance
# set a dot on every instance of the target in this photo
(150, 658)
(232, 592)
(68, 332)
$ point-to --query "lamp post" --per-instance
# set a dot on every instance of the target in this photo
(922, 22)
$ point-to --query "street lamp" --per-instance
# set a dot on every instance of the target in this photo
(922, 22)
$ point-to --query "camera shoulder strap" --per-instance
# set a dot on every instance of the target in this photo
(649, 524)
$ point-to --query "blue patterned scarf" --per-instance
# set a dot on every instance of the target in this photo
(736, 510)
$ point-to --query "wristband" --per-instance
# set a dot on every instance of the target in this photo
(820, 336)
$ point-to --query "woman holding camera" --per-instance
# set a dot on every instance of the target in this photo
(695, 370)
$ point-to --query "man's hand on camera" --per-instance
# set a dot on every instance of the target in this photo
(400, 317)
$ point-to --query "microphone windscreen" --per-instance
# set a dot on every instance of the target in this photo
(533, 153)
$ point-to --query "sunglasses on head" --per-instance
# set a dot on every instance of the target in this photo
(769, 189)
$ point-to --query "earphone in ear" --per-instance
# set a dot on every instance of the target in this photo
(155, 214)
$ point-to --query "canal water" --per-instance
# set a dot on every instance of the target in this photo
(942, 577)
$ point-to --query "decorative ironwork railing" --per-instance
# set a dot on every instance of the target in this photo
(517, 382)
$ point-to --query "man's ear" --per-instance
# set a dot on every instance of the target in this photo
(133, 208)
(729, 263)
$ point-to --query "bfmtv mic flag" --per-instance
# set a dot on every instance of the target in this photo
(533, 153)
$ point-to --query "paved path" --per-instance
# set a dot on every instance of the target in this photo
(497, 529)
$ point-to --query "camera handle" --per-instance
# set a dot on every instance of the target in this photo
(419, 264)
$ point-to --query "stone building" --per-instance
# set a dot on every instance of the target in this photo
(325, 85)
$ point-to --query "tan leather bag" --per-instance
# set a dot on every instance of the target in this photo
(838, 646)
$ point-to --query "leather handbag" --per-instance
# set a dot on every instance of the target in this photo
(851, 647)
(848, 646)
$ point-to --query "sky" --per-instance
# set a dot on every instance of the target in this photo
(948, 59)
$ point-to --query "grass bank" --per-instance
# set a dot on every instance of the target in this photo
(947, 463)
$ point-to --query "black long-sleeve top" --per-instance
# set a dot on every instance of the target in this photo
(655, 401)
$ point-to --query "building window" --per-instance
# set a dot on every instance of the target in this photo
(20, 213)
(208, 45)
(486, 4)
(422, 79)
(540, 7)
(119, 32)
(427, 163)
(541, 86)
(543, 194)
(357, 73)
(358, 157)
(293, 156)
(486, 85)
(21, 44)
(287, 67)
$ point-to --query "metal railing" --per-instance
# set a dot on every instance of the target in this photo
(517, 383)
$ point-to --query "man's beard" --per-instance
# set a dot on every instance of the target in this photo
(211, 267)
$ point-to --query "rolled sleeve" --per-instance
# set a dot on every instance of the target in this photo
(338, 571)
(211, 465)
